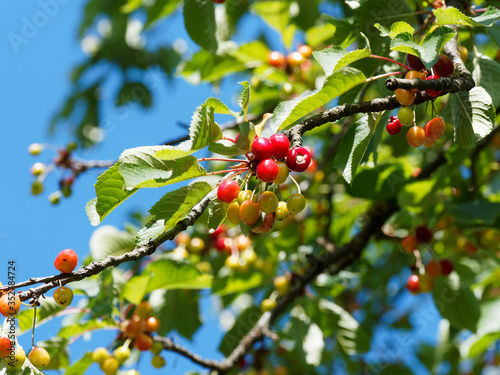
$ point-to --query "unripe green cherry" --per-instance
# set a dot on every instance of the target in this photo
(37, 169)
(35, 148)
(281, 212)
(267, 305)
(99, 355)
(268, 202)
(55, 197)
(63, 296)
(158, 361)
(156, 348)
(110, 366)
(122, 353)
(19, 359)
(39, 357)
(405, 116)
(296, 203)
(244, 195)
(233, 213)
(282, 174)
(36, 187)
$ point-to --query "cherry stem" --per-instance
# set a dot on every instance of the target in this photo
(296, 183)
(383, 76)
(391, 60)
(228, 170)
(229, 139)
(418, 258)
(33, 329)
(223, 159)
(245, 180)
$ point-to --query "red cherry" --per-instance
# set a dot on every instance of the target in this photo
(446, 266)
(394, 127)
(66, 261)
(221, 229)
(218, 1)
(413, 284)
(435, 128)
(228, 191)
(298, 159)
(262, 148)
(143, 342)
(220, 242)
(432, 93)
(423, 234)
(276, 59)
(5, 346)
(444, 66)
(281, 145)
(414, 62)
(267, 170)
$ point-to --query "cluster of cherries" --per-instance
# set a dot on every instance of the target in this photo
(435, 128)
(241, 255)
(423, 283)
(39, 357)
(137, 332)
(65, 262)
(40, 171)
(271, 161)
(293, 60)
(281, 286)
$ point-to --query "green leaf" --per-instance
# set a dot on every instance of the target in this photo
(428, 49)
(275, 13)
(47, 309)
(381, 182)
(354, 144)
(244, 99)
(473, 115)
(80, 366)
(110, 193)
(141, 168)
(244, 322)
(199, 20)
(353, 338)
(317, 35)
(415, 193)
(79, 328)
(242, 146)
(203, 129)
(165, 273)
(136, 92)
(452, 16)
(307, 14)
(339, 82)
(109, 240)
(150, 232)
(252, 52)
(57, 348)
(396, 28)
(175, 205)
(130, 6)
(479, 213)
(486, 75)
(177, 310)
(217, 212)
(160, 9)
(456, 302)
(482, 344)
(236, 283)
(335, 58)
